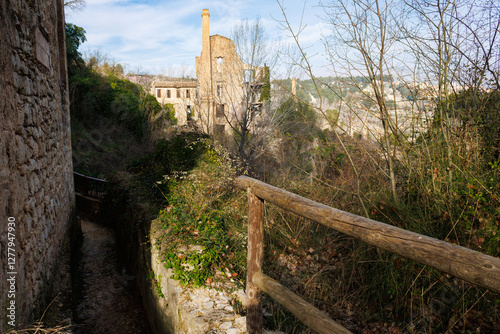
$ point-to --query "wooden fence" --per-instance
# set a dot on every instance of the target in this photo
(458, 261)
(89, 186)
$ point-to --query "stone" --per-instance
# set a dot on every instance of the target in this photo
(241, 321)
(232, 331)
(25, 85)
(226, 325)
(241, 296)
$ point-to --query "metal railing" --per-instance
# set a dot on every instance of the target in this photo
(89, 186)
(461, 262)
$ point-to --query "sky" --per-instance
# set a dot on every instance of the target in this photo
(164, 36)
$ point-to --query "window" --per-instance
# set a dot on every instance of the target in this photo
(188, 95)
(168, 93)
(220, 60)
(219, 110)
(249, 75)
(158, 92)
(178, 93)
(219, 91)
(189, 114)
(220, 128)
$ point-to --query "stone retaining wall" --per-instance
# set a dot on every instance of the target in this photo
(185, 310)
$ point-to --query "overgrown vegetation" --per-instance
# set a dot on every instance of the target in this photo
(112, 119)
(186, 183)
(204, 240)
(442, 181)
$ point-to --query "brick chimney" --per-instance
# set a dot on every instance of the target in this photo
(205, 50)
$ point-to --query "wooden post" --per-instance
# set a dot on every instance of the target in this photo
(254, 262)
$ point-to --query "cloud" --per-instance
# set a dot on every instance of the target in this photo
(161, 33)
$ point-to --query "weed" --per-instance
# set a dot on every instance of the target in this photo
(202, 223)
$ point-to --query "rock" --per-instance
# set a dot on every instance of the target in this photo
(241, 321)
(208, 305)
(226, 325)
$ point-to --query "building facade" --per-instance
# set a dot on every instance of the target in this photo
(226, 87)
(183, 95)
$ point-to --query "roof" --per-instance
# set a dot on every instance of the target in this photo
(175, 84)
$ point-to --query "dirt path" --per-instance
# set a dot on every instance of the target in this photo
(109, 303)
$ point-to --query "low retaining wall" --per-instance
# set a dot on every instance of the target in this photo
(172, 308)
(186, 310)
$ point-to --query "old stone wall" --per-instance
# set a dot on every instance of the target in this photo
(36, 183)
(224, 81)
(181, 94)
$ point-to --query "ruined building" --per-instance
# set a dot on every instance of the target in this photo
(226, 86)
(36, 180)
(183, 95)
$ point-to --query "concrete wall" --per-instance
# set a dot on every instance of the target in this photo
(36, 182)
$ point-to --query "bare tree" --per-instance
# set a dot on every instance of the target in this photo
(422, 47)
(363, 43)
(75, 5)
(453, 44)
(243, 79)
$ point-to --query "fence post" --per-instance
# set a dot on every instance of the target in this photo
(254, 261)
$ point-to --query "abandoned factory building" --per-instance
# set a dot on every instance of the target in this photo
(225, 86)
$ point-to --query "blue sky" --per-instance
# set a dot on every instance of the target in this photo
(164, 36)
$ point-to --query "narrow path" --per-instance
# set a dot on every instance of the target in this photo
(110, 303)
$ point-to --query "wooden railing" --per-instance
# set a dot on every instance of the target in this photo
(461, 262)
(89, 186)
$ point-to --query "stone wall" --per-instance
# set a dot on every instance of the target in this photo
(36, 182)
(181, 94)
(183, 309)
(224, 82)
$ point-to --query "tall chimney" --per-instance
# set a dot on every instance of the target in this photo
(206, 33)
(294, 87)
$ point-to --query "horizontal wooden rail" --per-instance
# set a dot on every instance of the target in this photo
(88, 185)
(472, 266)
(461, 262)
(308, 314)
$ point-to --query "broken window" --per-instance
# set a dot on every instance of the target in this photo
(188, 94)
(219, 110)
(158, 92)
(178, 93)
(220, 60)
(249, 75)
(168, 93)
(219, 91)
(220, 128)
